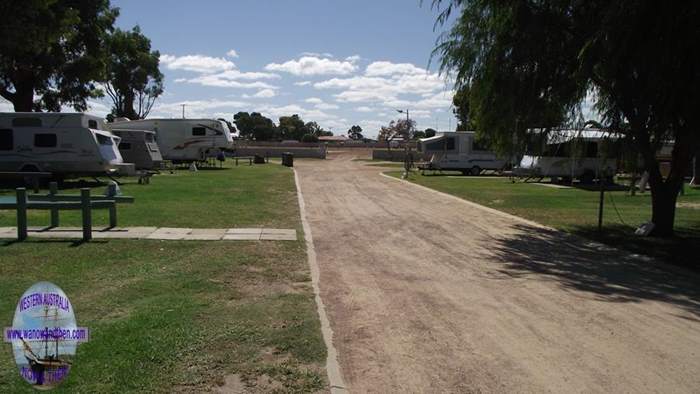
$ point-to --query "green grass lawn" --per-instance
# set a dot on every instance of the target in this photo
(576, 210)
(181, 316)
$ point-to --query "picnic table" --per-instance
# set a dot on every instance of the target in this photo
(54, 202)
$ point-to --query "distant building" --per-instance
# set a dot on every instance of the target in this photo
(334, 139)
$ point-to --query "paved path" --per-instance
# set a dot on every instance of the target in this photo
(164, 233)
(426, 293)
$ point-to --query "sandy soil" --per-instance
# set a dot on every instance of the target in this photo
(428, 294)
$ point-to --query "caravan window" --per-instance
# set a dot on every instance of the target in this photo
(450, 143)
(45, 140)
(149, 137)
(92, 123)
(125, 146)
(103, 140)
(199, 131)
(6, 142)
(26, 122)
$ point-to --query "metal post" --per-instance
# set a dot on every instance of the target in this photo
(21, 214)
(53, 191)
(87, 213)
(601, 179)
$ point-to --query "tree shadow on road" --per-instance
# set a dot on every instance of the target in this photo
(610, 274)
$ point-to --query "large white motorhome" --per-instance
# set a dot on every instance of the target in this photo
(183, 140)
(458, 151)
(567, 154)
(64, 144)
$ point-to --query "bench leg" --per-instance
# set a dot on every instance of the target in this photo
(21, 214)
(87, 214)
(53, 190)
(113, 216)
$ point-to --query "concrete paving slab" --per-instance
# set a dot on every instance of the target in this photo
(278, 237)
(206, 234)
(57, 234)
(241, 237)
(279, 231)
(169, 233)
(244, 231)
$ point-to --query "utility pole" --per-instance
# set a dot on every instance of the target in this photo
(183, 110)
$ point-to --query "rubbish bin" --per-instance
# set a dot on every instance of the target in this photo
(288, 159)
(257, 159)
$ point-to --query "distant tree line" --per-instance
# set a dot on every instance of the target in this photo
(255, 126)
(56, 53)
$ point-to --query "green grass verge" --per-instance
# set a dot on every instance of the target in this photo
(575, 210)
(181, 316)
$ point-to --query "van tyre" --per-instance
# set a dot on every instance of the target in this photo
(475, 171)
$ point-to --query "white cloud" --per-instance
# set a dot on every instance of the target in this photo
(384, 68)
(309, 65)
(353, 58)
(363, 109)
(314, 100)
(199, 108)
(320, 104)
(6, 106)
(317, 54)
(232, 53)
(302, 83)
(326, 106)
(196, 63)
(263, 93)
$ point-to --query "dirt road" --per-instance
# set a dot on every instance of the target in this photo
(426, 293)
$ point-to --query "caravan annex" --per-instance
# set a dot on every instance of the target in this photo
(183, 140)
(458, 151)
(64, 144)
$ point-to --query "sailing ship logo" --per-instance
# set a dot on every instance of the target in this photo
(44, 335)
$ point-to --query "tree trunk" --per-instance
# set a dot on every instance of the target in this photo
(663, 209)
(23, 99)
(696, 169)
(664, 193)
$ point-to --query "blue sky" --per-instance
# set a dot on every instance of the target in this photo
(335, 62)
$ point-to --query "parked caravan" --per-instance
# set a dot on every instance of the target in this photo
(65, 144)
(567, 154)
(183, 140)
(458, 151)
(140, 148)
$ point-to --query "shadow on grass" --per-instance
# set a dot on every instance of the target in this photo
(683, 249)
(70, 242)
(611, 274)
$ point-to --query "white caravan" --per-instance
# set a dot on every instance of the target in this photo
(568, 154)
(140, 148)
(64, 144)
(183, 140)
(458, 151)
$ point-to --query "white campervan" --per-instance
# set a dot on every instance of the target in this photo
(567, 154)
(458, 151)
(183, 140)
(65, 144)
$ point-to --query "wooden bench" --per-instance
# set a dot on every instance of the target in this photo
(249, 158)
(54, 202)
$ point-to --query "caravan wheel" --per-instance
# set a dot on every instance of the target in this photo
(476, 170)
